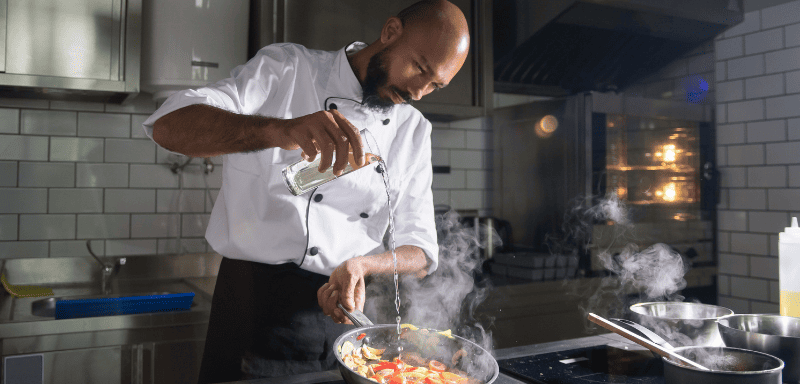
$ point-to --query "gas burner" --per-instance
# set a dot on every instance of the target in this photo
(598, 364)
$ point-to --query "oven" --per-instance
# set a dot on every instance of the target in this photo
(553, 159)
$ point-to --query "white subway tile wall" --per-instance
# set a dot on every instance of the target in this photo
(466, 147)
(72, 171)
(9, 120)
(758, 129)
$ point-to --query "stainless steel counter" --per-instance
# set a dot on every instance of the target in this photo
(133, 348)
(69, 277)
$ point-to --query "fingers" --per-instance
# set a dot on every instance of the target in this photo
(337, 131)
(360, 295)
(328, 298)
(323, 297)
(348, 294)
(306, 143)
(324, 133)
(352, 135)
(339, 317)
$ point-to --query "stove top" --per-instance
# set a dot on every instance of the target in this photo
(598, 364)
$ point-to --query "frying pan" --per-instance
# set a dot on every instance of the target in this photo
(478, 363)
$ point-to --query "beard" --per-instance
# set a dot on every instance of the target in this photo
(377, 78)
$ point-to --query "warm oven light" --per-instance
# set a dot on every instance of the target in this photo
(667, 154)
(668, 193)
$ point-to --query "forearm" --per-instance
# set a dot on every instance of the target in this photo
(205, 131)
(410, 260)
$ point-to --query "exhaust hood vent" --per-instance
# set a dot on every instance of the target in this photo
(561, 47)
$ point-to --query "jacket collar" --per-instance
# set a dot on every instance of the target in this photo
(343, 82)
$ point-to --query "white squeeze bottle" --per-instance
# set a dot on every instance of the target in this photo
(789, 269)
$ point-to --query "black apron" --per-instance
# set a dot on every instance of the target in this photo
(266, 322)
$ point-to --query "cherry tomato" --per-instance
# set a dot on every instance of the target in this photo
(436, 366)
(361, 336)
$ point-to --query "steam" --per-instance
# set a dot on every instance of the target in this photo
(447, 298)
(657, 271)
(636, 275)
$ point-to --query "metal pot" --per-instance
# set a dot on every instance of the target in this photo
(772, 334)
(731, 366)
(682, 324)
(478, 363)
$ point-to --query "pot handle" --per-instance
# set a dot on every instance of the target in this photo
(357, 317)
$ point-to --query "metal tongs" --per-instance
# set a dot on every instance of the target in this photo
(652, 341)
(357, 317)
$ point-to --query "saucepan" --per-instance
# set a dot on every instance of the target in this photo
(683, 324)
(707, 365)
(455, 352)
(727, 366)
(772, 334)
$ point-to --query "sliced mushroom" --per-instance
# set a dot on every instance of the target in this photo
(458, 356)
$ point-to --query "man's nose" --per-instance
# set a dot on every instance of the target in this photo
(416, 93)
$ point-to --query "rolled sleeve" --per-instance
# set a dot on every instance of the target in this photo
(415, 222)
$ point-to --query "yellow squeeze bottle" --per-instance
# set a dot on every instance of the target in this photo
(789, 269)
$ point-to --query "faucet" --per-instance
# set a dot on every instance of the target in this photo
(107, 269)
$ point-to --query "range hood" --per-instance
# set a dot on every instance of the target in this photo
(561, 47)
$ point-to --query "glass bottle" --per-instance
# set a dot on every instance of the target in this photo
(304, 176)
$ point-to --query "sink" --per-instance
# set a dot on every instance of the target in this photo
(115, 304)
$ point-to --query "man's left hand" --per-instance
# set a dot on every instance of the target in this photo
(345, 286)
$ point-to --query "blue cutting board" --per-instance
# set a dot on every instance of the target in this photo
(108, 306)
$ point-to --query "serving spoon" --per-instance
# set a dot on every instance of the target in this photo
(664, 350)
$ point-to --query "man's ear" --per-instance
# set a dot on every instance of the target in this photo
(391, 30)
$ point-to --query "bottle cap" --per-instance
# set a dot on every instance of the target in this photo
(790, 234)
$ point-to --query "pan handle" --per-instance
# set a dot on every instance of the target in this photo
(650, 334)
(357, 317)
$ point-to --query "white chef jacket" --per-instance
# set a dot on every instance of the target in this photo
(256, 218)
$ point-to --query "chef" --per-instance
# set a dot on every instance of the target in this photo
(289, 260)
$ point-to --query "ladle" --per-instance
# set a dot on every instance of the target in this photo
(660, 350)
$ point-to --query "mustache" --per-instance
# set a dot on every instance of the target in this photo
(403, 94)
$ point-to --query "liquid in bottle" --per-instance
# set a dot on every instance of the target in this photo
(304, 176)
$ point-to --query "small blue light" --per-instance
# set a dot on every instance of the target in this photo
(696, 89)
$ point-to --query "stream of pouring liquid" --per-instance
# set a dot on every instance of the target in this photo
(392, 244)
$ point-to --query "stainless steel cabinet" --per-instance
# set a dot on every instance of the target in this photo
(84, 45)
(162, 362)
(175, 362)
(78, 366)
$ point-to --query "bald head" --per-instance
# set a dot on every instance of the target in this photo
(436, 11)
(440, 16)
(419, 51)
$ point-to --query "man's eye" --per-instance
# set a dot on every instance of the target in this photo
(420, 68)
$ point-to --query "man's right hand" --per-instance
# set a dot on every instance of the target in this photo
(322, 133)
